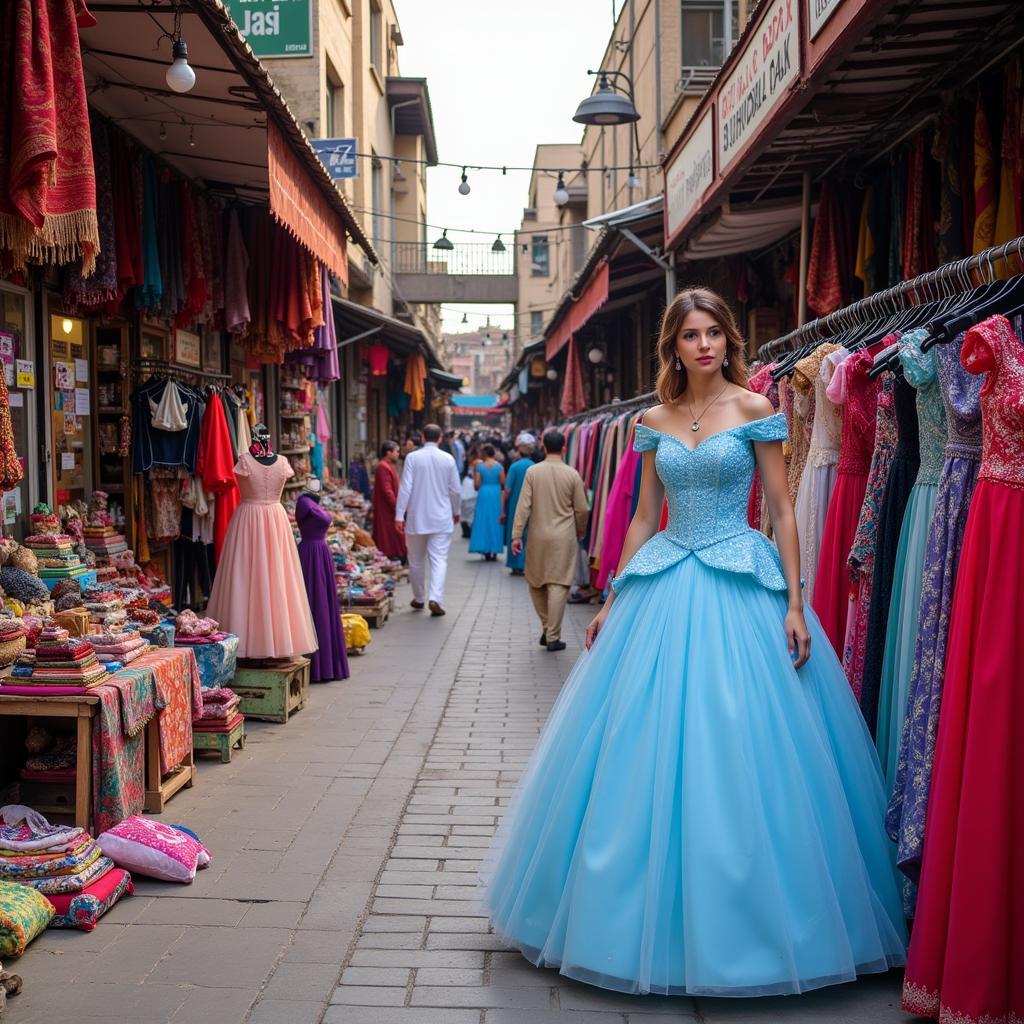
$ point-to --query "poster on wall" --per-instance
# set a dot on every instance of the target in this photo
(7, 348)
(275, 28)
(760, 80)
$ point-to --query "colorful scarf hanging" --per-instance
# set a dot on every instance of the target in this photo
(574, 399)
(825, 277)
(47, 180)
(415, 375)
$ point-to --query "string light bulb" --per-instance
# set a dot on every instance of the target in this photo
(498, 246)
(632, 182)
(561, 195)
(464, 189)
(551, 373)
(444, 242)
(180, 77)
(465, 318)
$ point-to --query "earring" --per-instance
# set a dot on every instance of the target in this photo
(726, 363)
(679, 363)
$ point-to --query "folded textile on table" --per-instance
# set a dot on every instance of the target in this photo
(220, 712)
(194, 641)
(57, 866)
(216, 726)
(70, 883)
(23, 830)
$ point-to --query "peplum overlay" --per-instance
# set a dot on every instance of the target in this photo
(710, 523)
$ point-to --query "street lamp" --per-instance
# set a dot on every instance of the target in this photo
(561, 195)
(607, 106)
(444, 242)
(498, 245)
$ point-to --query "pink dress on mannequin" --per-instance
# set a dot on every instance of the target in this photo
(258, 593)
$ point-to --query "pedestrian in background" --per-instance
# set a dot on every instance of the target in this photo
(458, 450)
(487, 537)
(428, 507)
(526, 446)
(385, 501)
(553, 502)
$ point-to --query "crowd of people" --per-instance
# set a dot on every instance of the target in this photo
(480, 481)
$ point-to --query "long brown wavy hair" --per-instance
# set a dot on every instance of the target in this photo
(671, 383)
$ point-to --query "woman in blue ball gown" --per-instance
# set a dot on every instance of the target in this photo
(488, 536)
(703, 813)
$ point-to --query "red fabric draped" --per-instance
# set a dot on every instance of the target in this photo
(591, 299)
(215, 466)
(47, 180)
(574, 398)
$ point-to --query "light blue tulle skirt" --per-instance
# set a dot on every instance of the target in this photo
(901, 631)
(698, 818)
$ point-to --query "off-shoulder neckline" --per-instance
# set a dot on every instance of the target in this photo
(711, 437)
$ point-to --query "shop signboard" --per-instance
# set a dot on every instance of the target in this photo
(818, 14)
(688, 176)
(275, 28)
(338, 156)
(759, 81)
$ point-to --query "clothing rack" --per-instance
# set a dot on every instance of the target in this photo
(625, 405)
(890, 300)
(162, 366)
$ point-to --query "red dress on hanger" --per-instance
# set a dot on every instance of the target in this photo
(215, 467)
(857, 395)
(966, 958)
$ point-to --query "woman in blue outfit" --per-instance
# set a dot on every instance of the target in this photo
(513, 486)
(703, 813)
(487, 537)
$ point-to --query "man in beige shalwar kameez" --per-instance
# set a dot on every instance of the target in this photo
(554, 502)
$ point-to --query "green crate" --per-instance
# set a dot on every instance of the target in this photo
(272, 691)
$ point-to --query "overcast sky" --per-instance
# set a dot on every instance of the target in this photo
(503, 75)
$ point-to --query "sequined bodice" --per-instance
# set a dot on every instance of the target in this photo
(921, 371)
(991, 348)
(706, 488)
(857, 394)
(961, 392)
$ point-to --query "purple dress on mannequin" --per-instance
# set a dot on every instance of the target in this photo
(330, 660)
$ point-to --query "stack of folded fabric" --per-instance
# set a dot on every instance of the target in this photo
(118, 648)
(65, 864)
(12, 639)
(55, 763)
(106, 609)
(56, 556)
(219, 705)
(59, 660)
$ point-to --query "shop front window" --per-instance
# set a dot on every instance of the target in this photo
(539, 260)
(708, 27)
(536, 322)
(14, 347)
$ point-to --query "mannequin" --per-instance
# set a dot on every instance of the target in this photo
(261, 449)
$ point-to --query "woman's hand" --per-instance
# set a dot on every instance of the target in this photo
(798, 637)
(595, 626)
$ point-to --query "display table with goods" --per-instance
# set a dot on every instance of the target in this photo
(216, 652)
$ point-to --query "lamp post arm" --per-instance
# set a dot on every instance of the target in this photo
(616, 74)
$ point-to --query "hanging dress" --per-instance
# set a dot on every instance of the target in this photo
(861, 561)
(905, 819)
(258, 593)
(330, 660)
(762, 383)
(904, 608)
(905, 465)
(813, 373)
(851, 389)
(967, 953)
(699, 818)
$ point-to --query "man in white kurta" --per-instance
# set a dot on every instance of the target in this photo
(553, 502)
(428, 504)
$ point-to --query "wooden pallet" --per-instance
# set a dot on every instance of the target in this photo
(375, 614)
(272, 690)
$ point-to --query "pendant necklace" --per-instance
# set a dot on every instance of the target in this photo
(695, 425)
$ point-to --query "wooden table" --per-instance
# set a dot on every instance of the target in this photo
(82, 707)
(159, 787)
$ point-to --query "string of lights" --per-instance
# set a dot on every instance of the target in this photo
(462, 231)
(504, 168)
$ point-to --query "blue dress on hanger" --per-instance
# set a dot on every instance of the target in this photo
(698, 817)
(488, 537)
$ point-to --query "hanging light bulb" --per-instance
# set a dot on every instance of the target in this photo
(465, 318)
(163, 131)
(464, 184)
(561, 196)
(444, 242)
(180, 77)
(551, 373)
(498, 246)
(632, 182)
(67, 326)
(192, 137)
(596, 354)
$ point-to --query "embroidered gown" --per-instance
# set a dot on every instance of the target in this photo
(967, 953)
(698, 817)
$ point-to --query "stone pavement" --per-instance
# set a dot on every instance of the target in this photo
(346, 845)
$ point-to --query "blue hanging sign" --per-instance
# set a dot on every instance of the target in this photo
(338, 156)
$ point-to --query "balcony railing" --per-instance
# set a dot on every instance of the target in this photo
(464, 258)
(695, 81)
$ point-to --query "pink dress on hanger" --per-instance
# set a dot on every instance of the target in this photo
(258, 593)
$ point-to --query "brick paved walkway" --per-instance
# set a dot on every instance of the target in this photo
(346, 846)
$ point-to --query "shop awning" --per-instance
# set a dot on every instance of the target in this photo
(448, 381)
(579, 311)
(353, 322)
(744, 230)
(233, 132)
